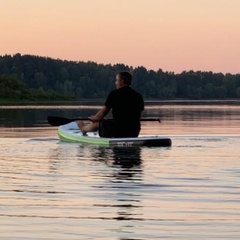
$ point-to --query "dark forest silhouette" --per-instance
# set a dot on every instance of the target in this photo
(27, 77)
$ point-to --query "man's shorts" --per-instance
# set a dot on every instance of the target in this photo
(106, 128)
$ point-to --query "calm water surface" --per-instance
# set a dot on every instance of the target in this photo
(56, 190)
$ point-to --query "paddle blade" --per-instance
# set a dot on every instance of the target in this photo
(57, 121)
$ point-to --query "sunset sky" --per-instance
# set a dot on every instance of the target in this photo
(174, 35)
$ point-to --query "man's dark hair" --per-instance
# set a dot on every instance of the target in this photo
(126, 77)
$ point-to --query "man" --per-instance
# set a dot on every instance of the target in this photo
(127, 106)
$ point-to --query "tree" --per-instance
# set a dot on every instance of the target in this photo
(44, 76)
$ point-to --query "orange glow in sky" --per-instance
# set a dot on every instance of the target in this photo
(174, 35)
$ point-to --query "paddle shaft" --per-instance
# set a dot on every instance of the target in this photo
(57, 121)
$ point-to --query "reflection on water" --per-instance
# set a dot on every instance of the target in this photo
(126, 157)
(175, 119)
(74, 191)
(115, 184)
(126, 175)
(56, 190)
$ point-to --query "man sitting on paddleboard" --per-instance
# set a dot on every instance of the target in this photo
(127, 106)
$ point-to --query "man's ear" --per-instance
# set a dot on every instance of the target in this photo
(122, 81)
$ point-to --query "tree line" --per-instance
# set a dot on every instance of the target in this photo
(27, 77)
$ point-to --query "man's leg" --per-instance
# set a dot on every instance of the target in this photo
(91, 127)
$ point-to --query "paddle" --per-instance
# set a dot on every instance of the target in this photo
(57, 121)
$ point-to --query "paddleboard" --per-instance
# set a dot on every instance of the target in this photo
(71, 133)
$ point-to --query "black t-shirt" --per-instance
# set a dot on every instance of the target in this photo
(127, 105)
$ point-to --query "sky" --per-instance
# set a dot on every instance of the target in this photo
(172, 35)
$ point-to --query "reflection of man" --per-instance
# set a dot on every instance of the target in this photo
(127, 157)
(127, 106)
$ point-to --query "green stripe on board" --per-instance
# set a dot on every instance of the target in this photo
(74, 138)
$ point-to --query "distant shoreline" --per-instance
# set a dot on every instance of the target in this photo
(101, 101)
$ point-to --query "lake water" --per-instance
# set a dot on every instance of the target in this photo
(56, 190)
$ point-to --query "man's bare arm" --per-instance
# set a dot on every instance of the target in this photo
(100, 114)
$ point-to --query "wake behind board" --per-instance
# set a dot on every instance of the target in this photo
(71, 133)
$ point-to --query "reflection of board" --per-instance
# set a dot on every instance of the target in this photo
(70, 132)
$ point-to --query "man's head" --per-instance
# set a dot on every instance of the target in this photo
(123, 79)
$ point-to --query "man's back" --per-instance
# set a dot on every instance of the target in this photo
(127, 105)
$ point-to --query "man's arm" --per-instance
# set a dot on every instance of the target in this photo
(100, 114)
